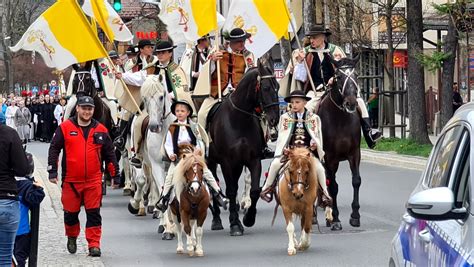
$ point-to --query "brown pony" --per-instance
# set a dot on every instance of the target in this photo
(189, 208)
(298, 193)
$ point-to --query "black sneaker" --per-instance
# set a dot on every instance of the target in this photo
(71, 244)
(94, 252)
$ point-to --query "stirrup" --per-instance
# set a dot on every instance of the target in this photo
(267, 195)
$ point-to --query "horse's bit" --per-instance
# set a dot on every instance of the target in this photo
(195, 180)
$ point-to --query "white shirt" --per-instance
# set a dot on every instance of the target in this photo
(183, 138)
(59, 113)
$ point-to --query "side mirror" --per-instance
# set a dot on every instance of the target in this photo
(435, 204)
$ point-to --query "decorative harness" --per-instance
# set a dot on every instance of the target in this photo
(299, 180)
(348, 73)
(195, 180)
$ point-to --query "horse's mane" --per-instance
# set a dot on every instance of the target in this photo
(151, 86)
(187, 161)
(303, 155)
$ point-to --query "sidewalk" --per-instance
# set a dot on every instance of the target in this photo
(52, 241)
(393, 159)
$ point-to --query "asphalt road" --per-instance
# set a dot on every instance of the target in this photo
(131, 241)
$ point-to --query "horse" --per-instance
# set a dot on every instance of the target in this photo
(157, 106)
(341, 134)
(189, 208)
(83, 85)
(297, 194)
(237, 141)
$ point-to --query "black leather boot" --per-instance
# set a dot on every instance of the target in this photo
(371, 135)
(267, 153)
(119, 141)
(162, 205)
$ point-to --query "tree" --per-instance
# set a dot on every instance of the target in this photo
(415, 73)
(450, 47)
(15, 17)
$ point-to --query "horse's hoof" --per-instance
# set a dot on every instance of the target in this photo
(291, 251)
(191, 253)
(149, 209)
(132, 210)
(336, 226)
(161, 229)
(141, 212)
(199, 253)
(180, 250)
(217, 224)
(167, 236)
(155, 215)
(354, 222)
(127, 192)
(235, 230)
(249, 217)
(328, 223)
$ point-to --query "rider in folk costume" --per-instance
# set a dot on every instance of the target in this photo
(139, 58)
(192, 62)
(184, 131)
(234, 62)
(318, 56)
(172, 78)
(298, 128)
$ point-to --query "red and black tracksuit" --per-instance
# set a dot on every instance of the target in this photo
(84, 151)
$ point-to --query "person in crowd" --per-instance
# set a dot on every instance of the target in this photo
(22, 121)
(39, 119)
(47, 119)
(457, 99)
(373, 107)
(59, 110)
(30, 193)
(85, 144)
(13, 163)
(10, 114)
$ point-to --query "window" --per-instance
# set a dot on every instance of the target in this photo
(461, 174)
(441, 163)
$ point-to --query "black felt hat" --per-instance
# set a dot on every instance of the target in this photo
(182, 102)
(143, 43)
(164, 46)
(297, 94)
(237, 34)
(132, 50)
(318, 29)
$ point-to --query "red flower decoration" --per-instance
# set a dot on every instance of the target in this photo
(102, 65)
(104, 73)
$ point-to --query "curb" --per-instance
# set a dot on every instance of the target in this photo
(394, 160)
(52, 241)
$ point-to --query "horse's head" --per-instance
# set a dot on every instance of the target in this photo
(83, 84)
(267, 87)
(300, 172)
(193, 164)
(155, 100)
(345, 82)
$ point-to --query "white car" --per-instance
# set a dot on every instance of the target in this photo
(438, 227)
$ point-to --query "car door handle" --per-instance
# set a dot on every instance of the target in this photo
(408, 219)
(425, 235)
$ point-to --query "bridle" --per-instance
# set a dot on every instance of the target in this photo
(299, 180)
(348, 73)
(261, 116)
(81, 86)
(195, 180)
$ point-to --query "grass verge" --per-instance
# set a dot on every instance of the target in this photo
(401, 146)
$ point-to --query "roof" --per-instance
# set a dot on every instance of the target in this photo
(133, 8)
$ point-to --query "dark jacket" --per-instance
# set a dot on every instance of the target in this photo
(13, 162)
(84, 150)
(30, 195)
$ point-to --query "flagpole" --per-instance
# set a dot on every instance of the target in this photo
(124, 85)
(293, 27)
(219, 86)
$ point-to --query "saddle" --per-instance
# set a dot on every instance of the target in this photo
(144, 128)
(212, 113)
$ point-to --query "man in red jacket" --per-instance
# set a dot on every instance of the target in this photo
(86, 144)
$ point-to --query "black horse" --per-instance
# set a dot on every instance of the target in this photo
(341, 134)
(83, 85)
(237, 140)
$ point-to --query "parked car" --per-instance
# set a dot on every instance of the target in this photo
(438, 227)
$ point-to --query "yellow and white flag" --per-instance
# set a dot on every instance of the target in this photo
(188, 20)
(108, 20)
(62, 36)
(266, 20)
